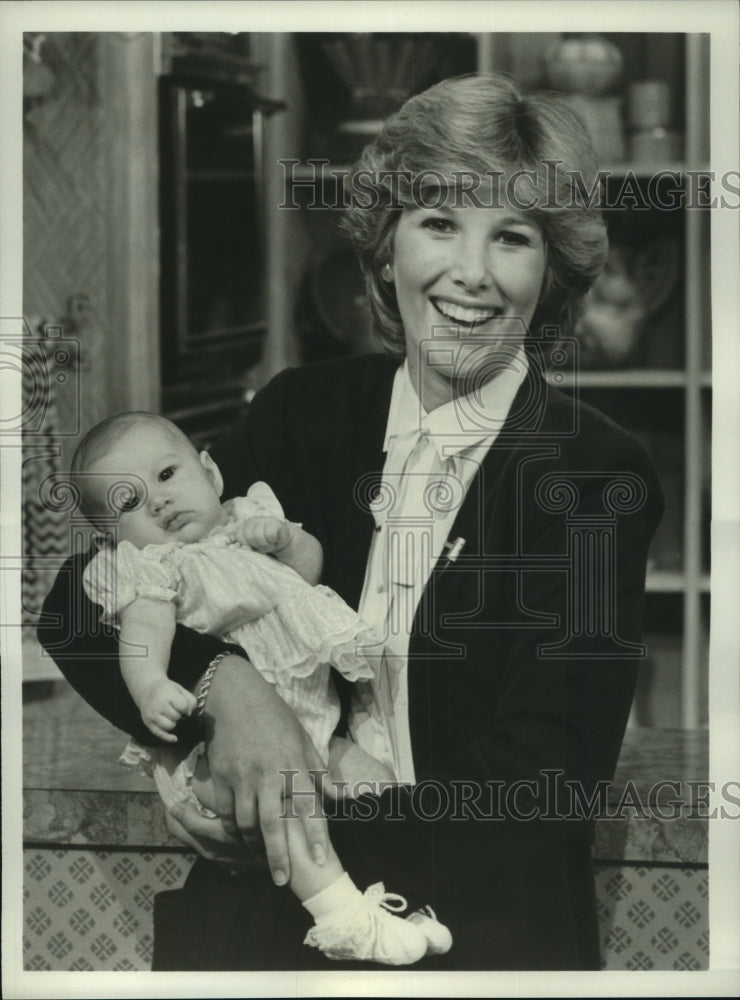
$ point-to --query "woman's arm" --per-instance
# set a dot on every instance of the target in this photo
(259, 755)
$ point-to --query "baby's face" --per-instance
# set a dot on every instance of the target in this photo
(179, 501)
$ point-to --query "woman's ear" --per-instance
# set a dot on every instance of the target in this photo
(213, 472)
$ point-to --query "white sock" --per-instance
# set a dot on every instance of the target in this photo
(332, 899)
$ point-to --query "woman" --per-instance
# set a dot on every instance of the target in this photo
(494, 527)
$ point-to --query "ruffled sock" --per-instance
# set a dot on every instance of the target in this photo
(355, 926)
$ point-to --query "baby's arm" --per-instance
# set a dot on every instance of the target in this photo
(286, 541)
(161, 701)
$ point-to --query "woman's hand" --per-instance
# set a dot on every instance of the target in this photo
(259, 755)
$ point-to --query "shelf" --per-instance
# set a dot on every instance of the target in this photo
(672, 582)
(646, 169)
(219, 175)
(638, 378)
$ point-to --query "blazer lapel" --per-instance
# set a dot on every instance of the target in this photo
(518, 429)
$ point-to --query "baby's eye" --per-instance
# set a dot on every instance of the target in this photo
(167, 473)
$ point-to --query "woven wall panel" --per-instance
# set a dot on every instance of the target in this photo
(65, 236)
(65, 208)
(64, 180)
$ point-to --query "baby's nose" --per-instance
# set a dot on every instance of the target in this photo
(158, 499)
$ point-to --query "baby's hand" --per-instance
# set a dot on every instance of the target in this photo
(164, 705)
(264, 534)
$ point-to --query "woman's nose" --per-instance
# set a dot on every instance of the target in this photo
(473, 265)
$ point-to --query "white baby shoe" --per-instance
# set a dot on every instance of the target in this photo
(368, 930)
(439, 939)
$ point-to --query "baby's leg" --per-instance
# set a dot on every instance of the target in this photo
(349, 925)
(348, 762)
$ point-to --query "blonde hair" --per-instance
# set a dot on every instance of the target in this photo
(484, 126)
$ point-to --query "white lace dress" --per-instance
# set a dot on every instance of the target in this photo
(292, 631)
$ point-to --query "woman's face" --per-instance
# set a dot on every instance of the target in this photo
(467, 281)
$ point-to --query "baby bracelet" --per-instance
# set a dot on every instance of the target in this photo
(205, 684)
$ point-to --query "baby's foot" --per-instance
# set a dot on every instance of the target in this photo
(366, 931)
(439, 939)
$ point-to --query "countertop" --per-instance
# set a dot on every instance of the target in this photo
(76, 792)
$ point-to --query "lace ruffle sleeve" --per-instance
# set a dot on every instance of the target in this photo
(114, 578)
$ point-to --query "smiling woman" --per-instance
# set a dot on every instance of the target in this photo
(494, 533)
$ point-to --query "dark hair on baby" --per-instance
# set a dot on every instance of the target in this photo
(98, 441)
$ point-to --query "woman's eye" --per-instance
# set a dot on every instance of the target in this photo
(511, 238)
(167, 473)
(438, 225)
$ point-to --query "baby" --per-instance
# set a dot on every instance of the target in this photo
(238, 570)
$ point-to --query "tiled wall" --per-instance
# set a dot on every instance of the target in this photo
(93, 910)
(653, 918)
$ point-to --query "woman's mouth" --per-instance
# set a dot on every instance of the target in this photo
(465, 315)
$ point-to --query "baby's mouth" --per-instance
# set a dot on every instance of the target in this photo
(469, 316)
(174, 521)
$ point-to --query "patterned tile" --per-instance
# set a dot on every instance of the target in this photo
(687, 914)
(686, 962)
(88, 910)
(666, 886)
(618, 886)
(664, 940)
(641, 914)
(640, 962)
(653, 918)
(92, 910)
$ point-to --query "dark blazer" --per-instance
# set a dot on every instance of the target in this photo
(522, 665)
